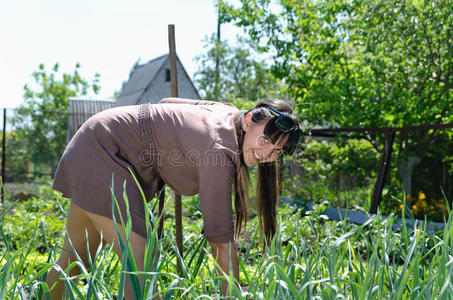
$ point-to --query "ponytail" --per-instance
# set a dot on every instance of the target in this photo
(267, 192)
(241, 200)
(241, 182)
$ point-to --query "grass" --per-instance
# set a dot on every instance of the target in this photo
(309, 258)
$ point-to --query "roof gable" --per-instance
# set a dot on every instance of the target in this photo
(140, 80)
(137, 88)
(142, 76)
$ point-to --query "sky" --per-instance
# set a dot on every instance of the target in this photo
(104, 36)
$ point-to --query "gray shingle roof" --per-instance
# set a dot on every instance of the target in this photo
(140, 80)
(149, 83)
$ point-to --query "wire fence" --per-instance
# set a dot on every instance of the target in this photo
(27, 150)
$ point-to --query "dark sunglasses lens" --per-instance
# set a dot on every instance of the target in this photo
(285, 123)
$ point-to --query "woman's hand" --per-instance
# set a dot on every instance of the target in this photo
(224, 253)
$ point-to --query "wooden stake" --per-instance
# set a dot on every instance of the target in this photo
(174, 93)
(3, 155)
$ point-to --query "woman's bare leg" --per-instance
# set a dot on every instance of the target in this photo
(79, 222)
(137, 243)
(78, 225)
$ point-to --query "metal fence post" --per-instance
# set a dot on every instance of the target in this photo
(385, 162)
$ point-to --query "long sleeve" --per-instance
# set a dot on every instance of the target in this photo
(215, 183)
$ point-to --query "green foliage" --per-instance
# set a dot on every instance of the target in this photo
(44, 212)
(434, 157)
(362, 64)
(17, 151)
(351, 158)
(40, 122)
(242, 77)
(391, 59)
(341, 172)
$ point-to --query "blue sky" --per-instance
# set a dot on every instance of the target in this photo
(104, 36)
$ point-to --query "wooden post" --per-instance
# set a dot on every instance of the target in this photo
(161, 193)
(217, 58)
(174, 93)
(385, 162)
(3, 153)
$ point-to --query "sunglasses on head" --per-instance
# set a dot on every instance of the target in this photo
(285, 124)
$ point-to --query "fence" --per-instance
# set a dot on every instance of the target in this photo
(412, 160)
(29, 149)
(33, 140)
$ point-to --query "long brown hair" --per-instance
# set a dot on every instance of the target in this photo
(267, 185)
(242, 180)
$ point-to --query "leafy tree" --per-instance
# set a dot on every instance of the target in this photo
(361, 63)
(392, 59)
(40, 122)
(242, 76)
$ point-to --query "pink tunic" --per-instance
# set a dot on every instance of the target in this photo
(191, 145)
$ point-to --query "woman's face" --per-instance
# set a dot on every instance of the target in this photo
(257, 148)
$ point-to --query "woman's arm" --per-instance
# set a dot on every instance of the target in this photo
(221, 252)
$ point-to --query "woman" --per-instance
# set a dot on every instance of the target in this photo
(193, 146)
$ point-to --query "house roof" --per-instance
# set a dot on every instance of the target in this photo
(140, 80)
(143, 76)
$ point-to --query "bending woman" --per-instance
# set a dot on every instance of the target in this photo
(202, 147)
